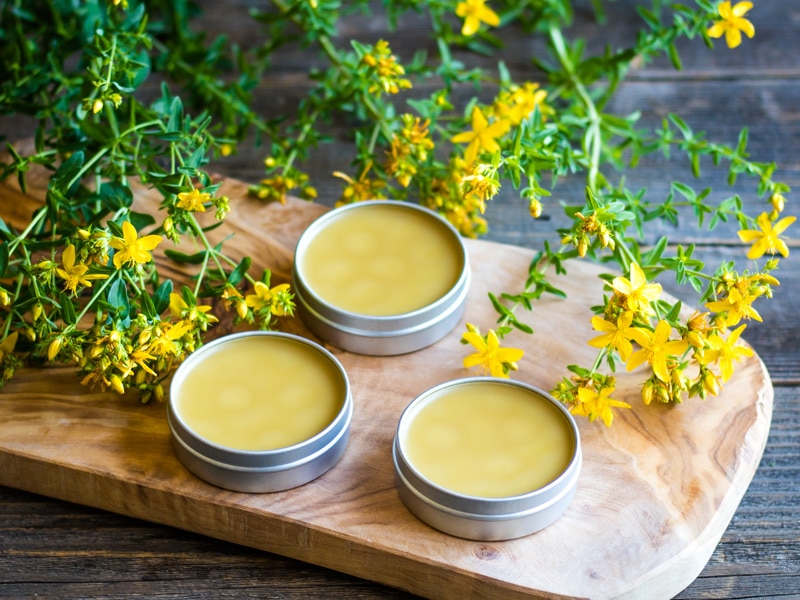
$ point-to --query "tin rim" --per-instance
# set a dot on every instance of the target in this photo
(352, 330)
(502, 517)
(259, 461)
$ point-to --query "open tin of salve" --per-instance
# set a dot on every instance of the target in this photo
(381, 277)
(486, 459)
(260, 411)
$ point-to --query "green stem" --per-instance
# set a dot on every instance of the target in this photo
(210, 253)
(594, 135)
(96, 295)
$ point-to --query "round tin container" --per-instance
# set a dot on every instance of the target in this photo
(455, 508)
(233, 456)
(390, 267)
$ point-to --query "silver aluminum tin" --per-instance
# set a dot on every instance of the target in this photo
(481, 518)
(379, 335)
(259, 471)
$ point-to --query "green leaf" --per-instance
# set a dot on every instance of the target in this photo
(681, 125)
(141, 220)
(116, 195)
(175, 115)
(117, 298)
(66, 173)
(161, 296)
(684, 190)
(239, 272)
(67, 309)
(674, 57)
(148, 306)
(189, 259)
(3, 258)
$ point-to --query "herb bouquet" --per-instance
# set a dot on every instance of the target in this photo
(121, 89)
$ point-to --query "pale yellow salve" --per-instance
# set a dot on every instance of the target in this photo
(260, 393)
(382, 260)
(489, 440)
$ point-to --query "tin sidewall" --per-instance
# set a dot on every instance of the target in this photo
(380, 335)
(481, 518)
(260, 471)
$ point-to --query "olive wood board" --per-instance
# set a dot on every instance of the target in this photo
(656, 492)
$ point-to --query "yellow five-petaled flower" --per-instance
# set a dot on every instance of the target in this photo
(131, 248)
(265, 298)
(592, 404)
(490, 356)
(765, 238)
(637, 292)
(475, 12)
(727, 351)
(193, 201)
(483, 136)
(732, 23)
(657, 349)
(615, 335)
(72, 274)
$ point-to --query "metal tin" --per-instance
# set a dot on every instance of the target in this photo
(380, 335)
(476, 517)
(259, 470)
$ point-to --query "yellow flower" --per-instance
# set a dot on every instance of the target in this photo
(165, 338)
(726, 351)
(637, 292)
(74, 275)
(490, 356)
(193, 201)
(388, 70)
(656, 349)
(363, 188)
(475, 12)
(616, 335)
(592, 404)
(196, 315)
(483, 136)
(518, 102)
(736, 306)
(732, 23)
(274, 300)
(765, 238)
(131, 248)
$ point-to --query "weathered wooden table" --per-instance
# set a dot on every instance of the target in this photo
(52, 549)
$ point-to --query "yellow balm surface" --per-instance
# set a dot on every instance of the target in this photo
(382, 260)
(489, 440)
(260, 393)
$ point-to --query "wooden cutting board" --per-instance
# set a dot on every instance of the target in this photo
(656, 492)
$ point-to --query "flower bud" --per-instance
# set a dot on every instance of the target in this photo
(54, 348)
(116, 384)
(710, 383)
(778, 202)
(241, 308)
(535, 208)
(648, 392)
